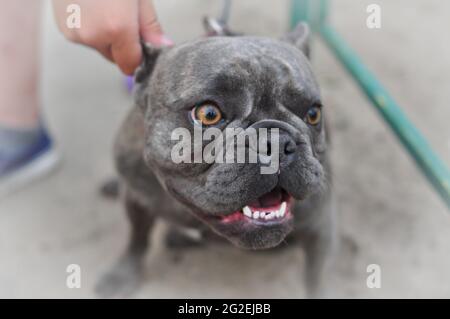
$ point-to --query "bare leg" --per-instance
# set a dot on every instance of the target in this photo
(26, 149)
(124, 278)
(19, 63)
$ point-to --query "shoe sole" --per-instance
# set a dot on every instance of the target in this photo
(38, 168)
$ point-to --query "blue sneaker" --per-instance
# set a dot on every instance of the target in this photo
(27, 165)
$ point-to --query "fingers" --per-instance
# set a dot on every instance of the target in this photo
(114, 28)
(106, 52)
(127, 52)
(149, 26)
(59, 12)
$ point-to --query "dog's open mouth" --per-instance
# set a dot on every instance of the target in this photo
(271, 207)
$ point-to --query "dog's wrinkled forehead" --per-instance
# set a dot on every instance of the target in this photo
(220, 65)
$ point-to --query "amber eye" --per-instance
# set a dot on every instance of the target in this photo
(314, 115)
(206, 114)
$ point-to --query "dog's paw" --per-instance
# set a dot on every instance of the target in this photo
(121, 281)
(110, 188)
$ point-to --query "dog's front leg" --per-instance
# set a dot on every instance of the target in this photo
(318, 239)
(317, 252)
(124, 278)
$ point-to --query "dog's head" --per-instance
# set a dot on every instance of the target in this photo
(243, 83)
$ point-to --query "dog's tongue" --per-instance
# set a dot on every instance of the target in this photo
(270, 199)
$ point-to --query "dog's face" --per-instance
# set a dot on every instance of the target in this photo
(236, 82)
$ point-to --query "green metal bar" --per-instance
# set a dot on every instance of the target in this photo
(299, 11)
(430, 164)
(312, 11)
(324, 6)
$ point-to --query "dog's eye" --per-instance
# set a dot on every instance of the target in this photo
(314, 115)
(206, 114)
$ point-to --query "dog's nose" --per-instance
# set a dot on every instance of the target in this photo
(285, 140)
(286, 148)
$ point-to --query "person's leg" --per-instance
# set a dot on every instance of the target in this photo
(19, 63)
(25, 147)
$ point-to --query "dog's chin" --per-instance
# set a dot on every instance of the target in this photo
(260, 224)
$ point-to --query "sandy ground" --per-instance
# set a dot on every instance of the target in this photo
(388, 213)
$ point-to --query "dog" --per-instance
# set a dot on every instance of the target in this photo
(227, 82)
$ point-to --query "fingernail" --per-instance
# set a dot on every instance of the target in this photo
(166, 41)
(160, 40)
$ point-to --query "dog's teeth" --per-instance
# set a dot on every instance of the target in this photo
(247, 211)
(268, 215)
(283, 208)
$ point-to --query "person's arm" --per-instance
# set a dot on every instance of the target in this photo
(114, 28)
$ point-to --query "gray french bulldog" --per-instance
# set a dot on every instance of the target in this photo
(226, 82)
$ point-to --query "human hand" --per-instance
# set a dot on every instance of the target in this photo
(114, 28)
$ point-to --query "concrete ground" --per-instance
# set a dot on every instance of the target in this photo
(388, 213)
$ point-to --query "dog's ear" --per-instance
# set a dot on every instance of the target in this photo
(299, 37)
(143, 73)
(150, 56)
